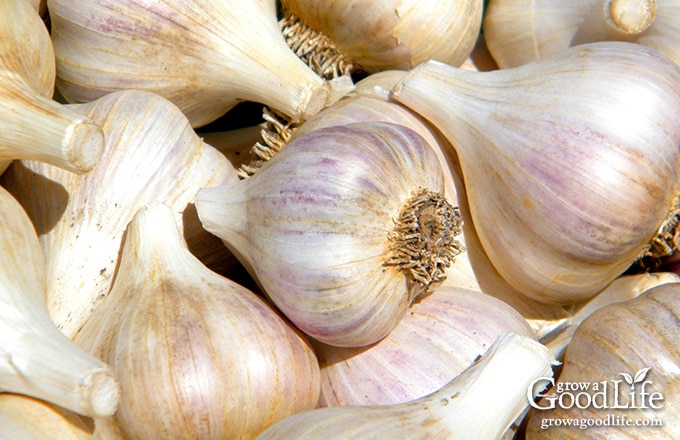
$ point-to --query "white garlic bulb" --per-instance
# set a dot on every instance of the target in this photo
(393, 34)
(197, 355)
(36, 359)
(342, 228)
(630, 349)
(518, 32)
(204, 56)
(569, 162)
(439, 337)
(463, 408)
(152, 154)
(33, 125)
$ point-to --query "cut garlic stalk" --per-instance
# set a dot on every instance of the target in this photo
(461, 409)
(440, 336)
(520, 31)
(204, 56)
(32, 125)
(26, 418)
(152, 154)
(197, 355)
(569, 163)
(343, 228)
(36, 359)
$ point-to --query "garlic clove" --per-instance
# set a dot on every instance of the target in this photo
(26, 418)
(152, 154)
(197, 355)
(36, 359)
(375, 36)
(203, 56)
(440, 336)
(518, 32)
(325, 225)
(635, 338)
(547, 150)
(27, 73)
(460, 409)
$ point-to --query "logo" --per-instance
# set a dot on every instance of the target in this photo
(624, 392)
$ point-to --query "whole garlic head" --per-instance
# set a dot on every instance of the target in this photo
(343, 228)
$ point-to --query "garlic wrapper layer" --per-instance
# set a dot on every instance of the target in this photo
(152, 154)
(36, 359)
(518, 32)
(343, 228)
(570, 163)
(204, 56)
(32, 125)
(439, 337)
(482, 402)
(393, 34)
(197, 355)
(634, 343)
(26, 418)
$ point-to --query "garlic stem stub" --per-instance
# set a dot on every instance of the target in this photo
(36, 359)
(569, 162)
(204, 56)
(482, 402)
(342, 229)
(197, 355)
(32, 125)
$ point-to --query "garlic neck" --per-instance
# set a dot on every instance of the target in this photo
(423, 241)
(630, 17)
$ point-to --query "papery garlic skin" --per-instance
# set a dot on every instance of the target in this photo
(152, 154)
(570, 162)
(197, 355)
(623, 338)
(460, 409)
(518, 32)
(32, 125)
(439, 337)
(204, 56)
(36, 359)
(394, 34)
(313, 227)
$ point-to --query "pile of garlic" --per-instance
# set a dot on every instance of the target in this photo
(410, 237)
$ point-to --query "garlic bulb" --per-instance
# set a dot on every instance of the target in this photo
(460, 409)
(152, 154)
(26, 418)
(197, 355)
(397, 34)
(204, 56)
(36, 359)
(570, 162)
(32, 125)
(518, 32)
(624, 288)
(630, 350)
(343, 228)
(440, 336)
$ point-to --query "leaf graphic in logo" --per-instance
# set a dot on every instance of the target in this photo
(640, 375)
(628, 378)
